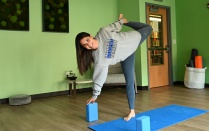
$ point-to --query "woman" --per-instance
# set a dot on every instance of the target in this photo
(109, 47)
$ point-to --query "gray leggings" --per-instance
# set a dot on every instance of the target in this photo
(128, 64)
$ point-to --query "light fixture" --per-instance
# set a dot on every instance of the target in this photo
(155, 19)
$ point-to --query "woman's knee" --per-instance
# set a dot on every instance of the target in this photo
(145, 32)
(150, 29)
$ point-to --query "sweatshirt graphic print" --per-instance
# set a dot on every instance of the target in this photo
(111, 48)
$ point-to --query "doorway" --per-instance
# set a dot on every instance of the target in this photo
(159, 46)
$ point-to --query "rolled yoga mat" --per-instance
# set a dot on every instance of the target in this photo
(194, 53)
(191, 63)
(198, 62)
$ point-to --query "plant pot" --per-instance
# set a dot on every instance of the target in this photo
(72, 78)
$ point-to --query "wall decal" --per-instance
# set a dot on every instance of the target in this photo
(55, 15)
(14, 15)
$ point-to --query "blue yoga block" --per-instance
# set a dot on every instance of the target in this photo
(92, 112)
(143, 123)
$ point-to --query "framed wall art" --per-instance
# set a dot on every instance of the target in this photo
(55, 15)
(14, 15)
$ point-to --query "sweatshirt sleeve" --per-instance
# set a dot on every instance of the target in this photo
(115, 27)
(99, 77)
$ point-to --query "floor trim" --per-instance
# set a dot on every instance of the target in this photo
(89, 89)
(38, 96)
(142, 87)
(182, 83)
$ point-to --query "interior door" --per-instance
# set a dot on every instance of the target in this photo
(158, 47)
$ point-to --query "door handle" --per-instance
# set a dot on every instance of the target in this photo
(167, 48)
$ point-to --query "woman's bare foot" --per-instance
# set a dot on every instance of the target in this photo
(130, 115)
(121, 17)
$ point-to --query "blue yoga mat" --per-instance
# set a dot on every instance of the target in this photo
(159, 118)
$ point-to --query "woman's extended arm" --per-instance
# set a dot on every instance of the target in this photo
(99, 77)
(116, 26)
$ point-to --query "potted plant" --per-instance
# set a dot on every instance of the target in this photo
(70, 75)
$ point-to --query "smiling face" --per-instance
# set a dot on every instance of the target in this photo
(89, 43)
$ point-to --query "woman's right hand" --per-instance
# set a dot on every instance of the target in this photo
(91, 100)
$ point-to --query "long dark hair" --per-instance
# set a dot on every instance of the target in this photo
(84, 56)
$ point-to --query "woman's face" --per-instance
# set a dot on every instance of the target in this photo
(89, 43)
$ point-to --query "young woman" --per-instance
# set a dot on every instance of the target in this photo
(109, 47)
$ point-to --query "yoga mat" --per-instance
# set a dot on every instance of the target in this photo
(191, 63)
(193, 54)
(198, 62)
(159, 118)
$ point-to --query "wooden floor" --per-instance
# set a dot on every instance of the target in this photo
(65, 113)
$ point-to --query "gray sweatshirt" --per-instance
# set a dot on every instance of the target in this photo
(114, 46)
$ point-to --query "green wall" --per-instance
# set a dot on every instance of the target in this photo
(34, 62)
(135, 10)
(192, 32)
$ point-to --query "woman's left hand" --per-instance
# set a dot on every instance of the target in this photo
(91, 100)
